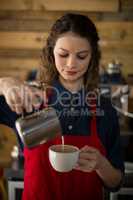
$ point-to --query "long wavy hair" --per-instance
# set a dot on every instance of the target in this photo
(83, 27)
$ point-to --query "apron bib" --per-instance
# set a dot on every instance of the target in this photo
(42, 182)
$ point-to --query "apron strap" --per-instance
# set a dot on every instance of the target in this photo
(93, 124)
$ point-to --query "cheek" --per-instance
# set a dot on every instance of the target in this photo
(59, 63)
(84, 64)
(87, 62)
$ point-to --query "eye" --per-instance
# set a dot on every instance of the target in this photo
(81, 57)
(63, 55)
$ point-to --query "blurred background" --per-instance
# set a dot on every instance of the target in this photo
(24, 27)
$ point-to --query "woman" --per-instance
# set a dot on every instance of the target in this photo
(71, 60)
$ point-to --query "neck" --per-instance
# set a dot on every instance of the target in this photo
(72, 86)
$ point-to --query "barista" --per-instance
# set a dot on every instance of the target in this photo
(72, 58)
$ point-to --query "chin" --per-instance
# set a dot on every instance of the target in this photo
(71, 78)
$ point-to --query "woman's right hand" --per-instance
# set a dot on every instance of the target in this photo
(20, 96)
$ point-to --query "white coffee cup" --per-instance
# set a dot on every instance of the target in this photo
(63, 158)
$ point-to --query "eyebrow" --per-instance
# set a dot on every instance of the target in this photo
(83, 51)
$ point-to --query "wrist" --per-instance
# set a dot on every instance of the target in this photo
(102, 164)
(2, 80)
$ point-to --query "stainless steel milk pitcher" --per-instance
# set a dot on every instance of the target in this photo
(38, 127)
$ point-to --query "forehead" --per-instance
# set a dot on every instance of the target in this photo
(71, 41)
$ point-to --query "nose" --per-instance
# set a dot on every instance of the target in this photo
(71, 62)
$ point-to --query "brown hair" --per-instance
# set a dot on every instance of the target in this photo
(82, 26)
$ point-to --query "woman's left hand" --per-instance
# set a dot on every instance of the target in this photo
(90, 159)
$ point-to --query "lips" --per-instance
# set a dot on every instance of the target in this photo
(71, 72)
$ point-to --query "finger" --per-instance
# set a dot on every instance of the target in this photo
(32, 98)
(85, 168)
(29, 108)
(82, 162)
(17, 100)
(86, 162)
(27, 96)
(14, 98)
(17, 94)
(12, 107)
(88, 148)
(84, 148)
(18, 109)
(87, 155)
(28, 104)
(85, 165)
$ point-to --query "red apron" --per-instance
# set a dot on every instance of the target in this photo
(42, 182)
